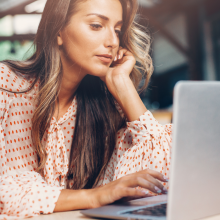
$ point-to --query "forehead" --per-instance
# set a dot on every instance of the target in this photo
(109, 8)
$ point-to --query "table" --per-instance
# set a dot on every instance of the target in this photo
(76, 215)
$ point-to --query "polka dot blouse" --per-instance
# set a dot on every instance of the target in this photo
(143, 144)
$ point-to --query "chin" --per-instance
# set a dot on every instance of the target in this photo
(99, 70)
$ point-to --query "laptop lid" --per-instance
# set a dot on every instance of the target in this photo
(195, 178)
(195, 172)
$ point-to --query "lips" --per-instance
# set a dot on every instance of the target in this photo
(106, 58)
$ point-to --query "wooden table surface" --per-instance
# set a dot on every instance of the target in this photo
(76, 215)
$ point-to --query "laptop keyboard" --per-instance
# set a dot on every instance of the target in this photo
(158, 210)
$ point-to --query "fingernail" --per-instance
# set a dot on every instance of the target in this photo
(165, 190)
(165, 178)
(115, 59)
(119, 57)
(157, 189)
(145, 191)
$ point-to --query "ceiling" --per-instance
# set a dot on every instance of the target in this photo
(31, 6)
(14, 7)
(8, 4)
(157, 7)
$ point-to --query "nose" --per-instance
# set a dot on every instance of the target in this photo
(112, 39)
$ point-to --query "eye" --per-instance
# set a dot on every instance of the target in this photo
(96, 26)
(118, 32)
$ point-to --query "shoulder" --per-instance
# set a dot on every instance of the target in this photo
(11, 81)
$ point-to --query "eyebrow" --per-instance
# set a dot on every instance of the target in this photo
(104, 18)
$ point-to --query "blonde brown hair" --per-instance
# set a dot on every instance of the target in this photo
(97, 119)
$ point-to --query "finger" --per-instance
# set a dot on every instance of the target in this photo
(156, 175)
(117, 55)
(155, 182)
(126, 52)
(120, 54)
(132, 192)
(145, 183)
(152, 178)
(141, 180)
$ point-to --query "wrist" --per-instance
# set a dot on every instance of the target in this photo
(129, 99)
(124, 89)
(72, 200)
(92, 196)
(123, 84)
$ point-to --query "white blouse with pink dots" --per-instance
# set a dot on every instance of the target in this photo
(143, 144)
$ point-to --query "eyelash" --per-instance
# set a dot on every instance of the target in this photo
(97, 26)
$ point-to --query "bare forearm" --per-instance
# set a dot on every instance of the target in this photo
(72, 200)
(129, 99)
(111, 192)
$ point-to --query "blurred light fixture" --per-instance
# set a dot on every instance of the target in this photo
(149, 3)
(6, 26)
(26, 24)
(37, 6)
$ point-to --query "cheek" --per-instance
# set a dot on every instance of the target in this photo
(94, 66)
(75, 47)
(81, 48)
(79, 45)
(82, 54)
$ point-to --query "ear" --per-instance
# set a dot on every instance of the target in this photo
(59, 39)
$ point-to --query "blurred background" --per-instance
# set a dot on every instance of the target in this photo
(185, 42)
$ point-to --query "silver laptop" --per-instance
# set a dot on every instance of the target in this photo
(194, 191)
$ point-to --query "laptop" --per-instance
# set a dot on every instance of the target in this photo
(194, 185)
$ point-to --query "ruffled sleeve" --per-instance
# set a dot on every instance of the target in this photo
(26, 194)
(23, 192)
(143, 144)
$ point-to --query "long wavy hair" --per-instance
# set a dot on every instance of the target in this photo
(97, 119)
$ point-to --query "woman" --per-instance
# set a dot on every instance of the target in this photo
(74, 131)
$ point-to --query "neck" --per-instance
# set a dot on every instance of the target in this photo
(72, 77)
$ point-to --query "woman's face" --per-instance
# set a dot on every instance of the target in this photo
(90, 41)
